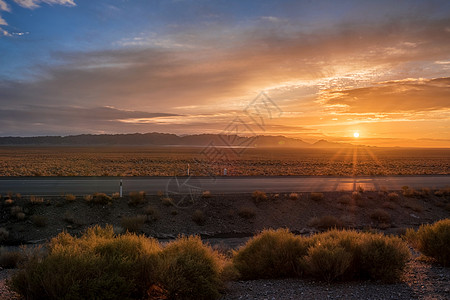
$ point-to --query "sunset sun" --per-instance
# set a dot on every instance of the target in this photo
(356, 134)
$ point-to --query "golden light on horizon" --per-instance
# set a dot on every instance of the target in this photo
(356, 134)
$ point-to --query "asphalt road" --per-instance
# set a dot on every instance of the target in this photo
(187, 185)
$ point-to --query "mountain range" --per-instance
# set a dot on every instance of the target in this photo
(166, 139)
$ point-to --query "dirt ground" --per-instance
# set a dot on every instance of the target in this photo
(221, 217)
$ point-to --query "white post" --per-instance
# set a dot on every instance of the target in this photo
(120, 189)
(225, 172)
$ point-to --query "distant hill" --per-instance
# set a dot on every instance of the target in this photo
(166, 139)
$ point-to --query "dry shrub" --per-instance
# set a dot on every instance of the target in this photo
(259, 196)
(9, 259)
(70, 197)
(246, 212)
(293, 196)
(327, 260)
(383, 258)
(344, 199)
(199, 217)
(151, 212)
(388, 205)
(4, 234)
(136, 198)
(97, 265)
(206, 194)
(115, 195)
(69, 217)
(9, 202)
(167, 201)
(356, 196)
(133, 224)
(98, 198)
(380, 216)
(39, 220)
(15, 210)
(433, 240)
(36, 200)
(326, 222)
(316, 196)
(160, 193)
(393, 197)
(20, 216)
(188, 269)
(271, 254)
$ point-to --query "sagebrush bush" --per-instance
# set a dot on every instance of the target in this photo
(293, 196)
(199, 217)
(246, 212)
(332, 255)
(316, 196)
(432, 240)
(9, 259)
(136, 198)
(188, 269)
(167, 201)
(4, 234)
(327, 260)
(393, 197)
(98, 198)
(152, 213)
(134, 223)
(344, 199)
(36, 200)
(326, 222)
(39, 220)
(383, 258)
(380, 216)
(70, 197)
(98, 265)
(271, 254)
(259, 196)
(206, 194)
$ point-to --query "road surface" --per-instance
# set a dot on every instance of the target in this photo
(47, 186)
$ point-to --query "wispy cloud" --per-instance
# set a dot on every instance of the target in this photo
(32, 4)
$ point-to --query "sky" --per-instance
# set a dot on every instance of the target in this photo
(304, 69)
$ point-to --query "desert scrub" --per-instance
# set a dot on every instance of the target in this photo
(344, 199)
(380, 216)
(327, 260)
(39, 220)
(70, 197)
(432, 240)
(271, 254)
(4, 234)
(206, 194)
(98, 198)
(393, 197)
(136, 198)
(259, 196)
(188, 269)
(293, 196)
(199, 217)
(328, 256)
(36, 200)
(10, 258)
(152, 213)
(98, 265)
(325, 222)
(167, 201)
(316, 196)
(133, 224)
(246, 212)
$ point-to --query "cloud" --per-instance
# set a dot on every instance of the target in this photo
(2, 21)
(4, 6)
(68, 119)
(390, 97)
(32, 4)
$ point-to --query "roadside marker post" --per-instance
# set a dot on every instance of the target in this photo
(120, 189)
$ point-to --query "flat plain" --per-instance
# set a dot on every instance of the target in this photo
(174, 161)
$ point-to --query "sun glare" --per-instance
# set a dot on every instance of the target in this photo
(356, 134)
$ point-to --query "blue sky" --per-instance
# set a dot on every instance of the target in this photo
(191, 66)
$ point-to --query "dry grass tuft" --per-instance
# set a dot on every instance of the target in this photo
(259, 196)
(316, 196)
(199, 217)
